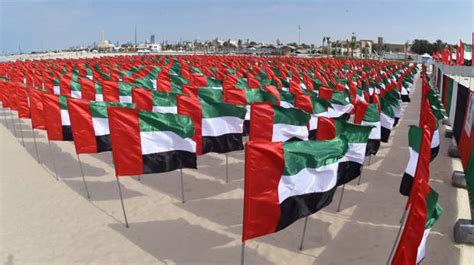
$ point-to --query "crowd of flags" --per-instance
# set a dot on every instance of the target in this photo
(460, 54)
(310, 122)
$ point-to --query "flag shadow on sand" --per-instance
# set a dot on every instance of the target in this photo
(180, 242)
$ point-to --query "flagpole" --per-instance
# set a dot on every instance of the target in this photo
(83, 178)
(340, 198)
(304, 233)
(397, 237)
(36, 146)
(242, 253)
(121, 201)
(54, 160)
(138, 178)
(226, 167)
(182, 185)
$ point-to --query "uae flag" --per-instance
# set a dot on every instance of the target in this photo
(287, 181)
(117, 91)
(151, 100)
(387, 119)
(218, 126)
(90, 125)
(340, 103)
(414, 143)
(368, 114)
(351, 163)
(277, 124)
(146, 142)
(433, 212)
(56, 117)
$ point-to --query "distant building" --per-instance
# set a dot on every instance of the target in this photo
(152, 38)
(105, 45)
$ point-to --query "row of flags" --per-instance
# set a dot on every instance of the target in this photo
(460, 54)
(422, 203)
(310, 122)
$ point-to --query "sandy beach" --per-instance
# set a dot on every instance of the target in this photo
(45, 221)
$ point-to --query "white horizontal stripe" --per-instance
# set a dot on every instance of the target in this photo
(337, 110)
(99, 97)
(56, 90)
(386, 121)
(435, 140)
(247, 114)
(282, 132)
(397, 111)
(313, 122)
(125, 99)
(101, 126)
(355, 153)
(222, 125)
(65, 118)
(411, 166)
(162, 109)
(154, 84)
(76, 94)
(164, 141)
(375, 132)
(286, 105)
(308, 180)
(422, 247)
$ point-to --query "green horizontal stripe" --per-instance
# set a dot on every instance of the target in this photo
(354, 133)
(291, 116)
(220, 109)
(99, 108)
(154, 121)
(414, 138)
(312, 154)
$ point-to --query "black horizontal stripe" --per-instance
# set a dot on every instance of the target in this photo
(434, 153)
(372, 147)
(168, 161)
(103, 143)
(246, 130)
(396, 120)
(347, 171)
(384, 134)
(405, 185)
(222, 144)
(296, 207)
(406, 98)
(67, 133)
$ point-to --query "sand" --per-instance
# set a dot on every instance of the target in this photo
(45, 221)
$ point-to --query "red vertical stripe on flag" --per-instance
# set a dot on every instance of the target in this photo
(87, 88)
(22, 102)
(111, 92)
(143, 99)
(191, 107)
(52, 115)
(82, 126)
(126, 144)
(261, 204)
(326, 129)
(261, 122)
(36, 108)
(360, 109)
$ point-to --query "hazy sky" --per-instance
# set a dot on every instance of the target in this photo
(37, 25)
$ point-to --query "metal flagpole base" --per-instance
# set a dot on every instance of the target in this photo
(182, 185)
(304, 233)
(121, 201)
(226, 167)
(340, 198)
(83, 178)
(36, 146)
(54, 160)
(242, 253)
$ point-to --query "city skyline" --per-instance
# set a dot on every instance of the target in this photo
(48, 25)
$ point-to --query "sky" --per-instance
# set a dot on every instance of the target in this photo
(36, 25)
